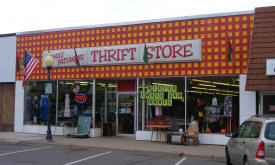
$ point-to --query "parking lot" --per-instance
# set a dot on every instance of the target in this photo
(23, 154)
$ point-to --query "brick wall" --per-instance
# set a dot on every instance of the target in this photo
(262, 47)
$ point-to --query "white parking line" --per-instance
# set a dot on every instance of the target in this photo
(180, 161)
(105, 153)
(9, 153)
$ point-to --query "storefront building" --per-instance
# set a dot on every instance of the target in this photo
(260, 75)
(190, 75)
(7, 81)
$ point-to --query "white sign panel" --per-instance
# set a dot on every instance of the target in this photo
(48, 88)
(270, 67)
(159, 52)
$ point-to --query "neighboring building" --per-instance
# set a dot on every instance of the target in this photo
(7, 81)
(188, 76)
(261, 66)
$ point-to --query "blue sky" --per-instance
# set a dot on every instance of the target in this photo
(30, 15)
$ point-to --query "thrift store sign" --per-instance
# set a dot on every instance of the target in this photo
(161, 95)
(159, 52)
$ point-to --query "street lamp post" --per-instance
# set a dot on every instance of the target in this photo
(49, 63)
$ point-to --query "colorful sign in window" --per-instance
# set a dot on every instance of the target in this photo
(161, 95)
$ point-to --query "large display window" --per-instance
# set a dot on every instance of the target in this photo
(75, 99)
(161, 102)
(213, 101)
(37, 103)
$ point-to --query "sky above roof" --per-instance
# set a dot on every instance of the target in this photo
(33, 15)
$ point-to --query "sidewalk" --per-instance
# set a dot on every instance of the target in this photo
(215, 152)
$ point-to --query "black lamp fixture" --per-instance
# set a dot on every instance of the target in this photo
(49, 63)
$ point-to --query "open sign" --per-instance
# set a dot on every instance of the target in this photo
(80, 98)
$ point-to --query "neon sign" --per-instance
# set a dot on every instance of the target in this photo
(80, 98)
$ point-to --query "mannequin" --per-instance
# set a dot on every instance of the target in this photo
(67, 111)
(44, 106)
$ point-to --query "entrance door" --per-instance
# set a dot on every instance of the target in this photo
(126, 113)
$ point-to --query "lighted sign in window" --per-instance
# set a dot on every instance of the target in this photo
(80, 98)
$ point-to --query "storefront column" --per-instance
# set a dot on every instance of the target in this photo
(143, 105)
(137, 107)
(247, 101)
(56, 104)
(94, 96)
(105, 101)
(185, 103)
(19, 107)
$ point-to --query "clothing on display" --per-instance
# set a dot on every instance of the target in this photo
(67, 111)
(44, 106)
(158, 110)
(200, 114)
(199, 103)
(28, 107)
(75, 110)
(214, 101)
(228, 106)
(214, 113)
(35, 109)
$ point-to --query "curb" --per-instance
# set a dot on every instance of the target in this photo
(177, 153)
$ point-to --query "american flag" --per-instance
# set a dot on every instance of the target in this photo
(30, 63)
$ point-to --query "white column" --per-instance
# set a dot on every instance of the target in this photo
(93, 104)
(19, 107)
(247, 101)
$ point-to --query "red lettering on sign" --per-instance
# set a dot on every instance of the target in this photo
(187, 51)
(113, 55)
(168, 51)
(80, 98)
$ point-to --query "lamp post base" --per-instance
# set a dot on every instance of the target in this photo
(49, 135)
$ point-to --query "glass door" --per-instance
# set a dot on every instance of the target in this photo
(126, 113)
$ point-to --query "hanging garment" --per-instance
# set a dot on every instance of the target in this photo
(75, 113)
(199, 103)
(228, 106)
(158, 110)
(67, 111)
(44, 104)
(214, 101)
(28, 108)
(213, 114)
(35, 108)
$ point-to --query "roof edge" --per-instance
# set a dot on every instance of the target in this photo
(139, 22)
(8, 35)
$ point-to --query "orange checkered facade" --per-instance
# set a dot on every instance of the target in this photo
(212, 31)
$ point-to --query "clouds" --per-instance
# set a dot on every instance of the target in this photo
(29, 15)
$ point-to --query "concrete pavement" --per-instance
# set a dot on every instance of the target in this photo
(215, 152)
